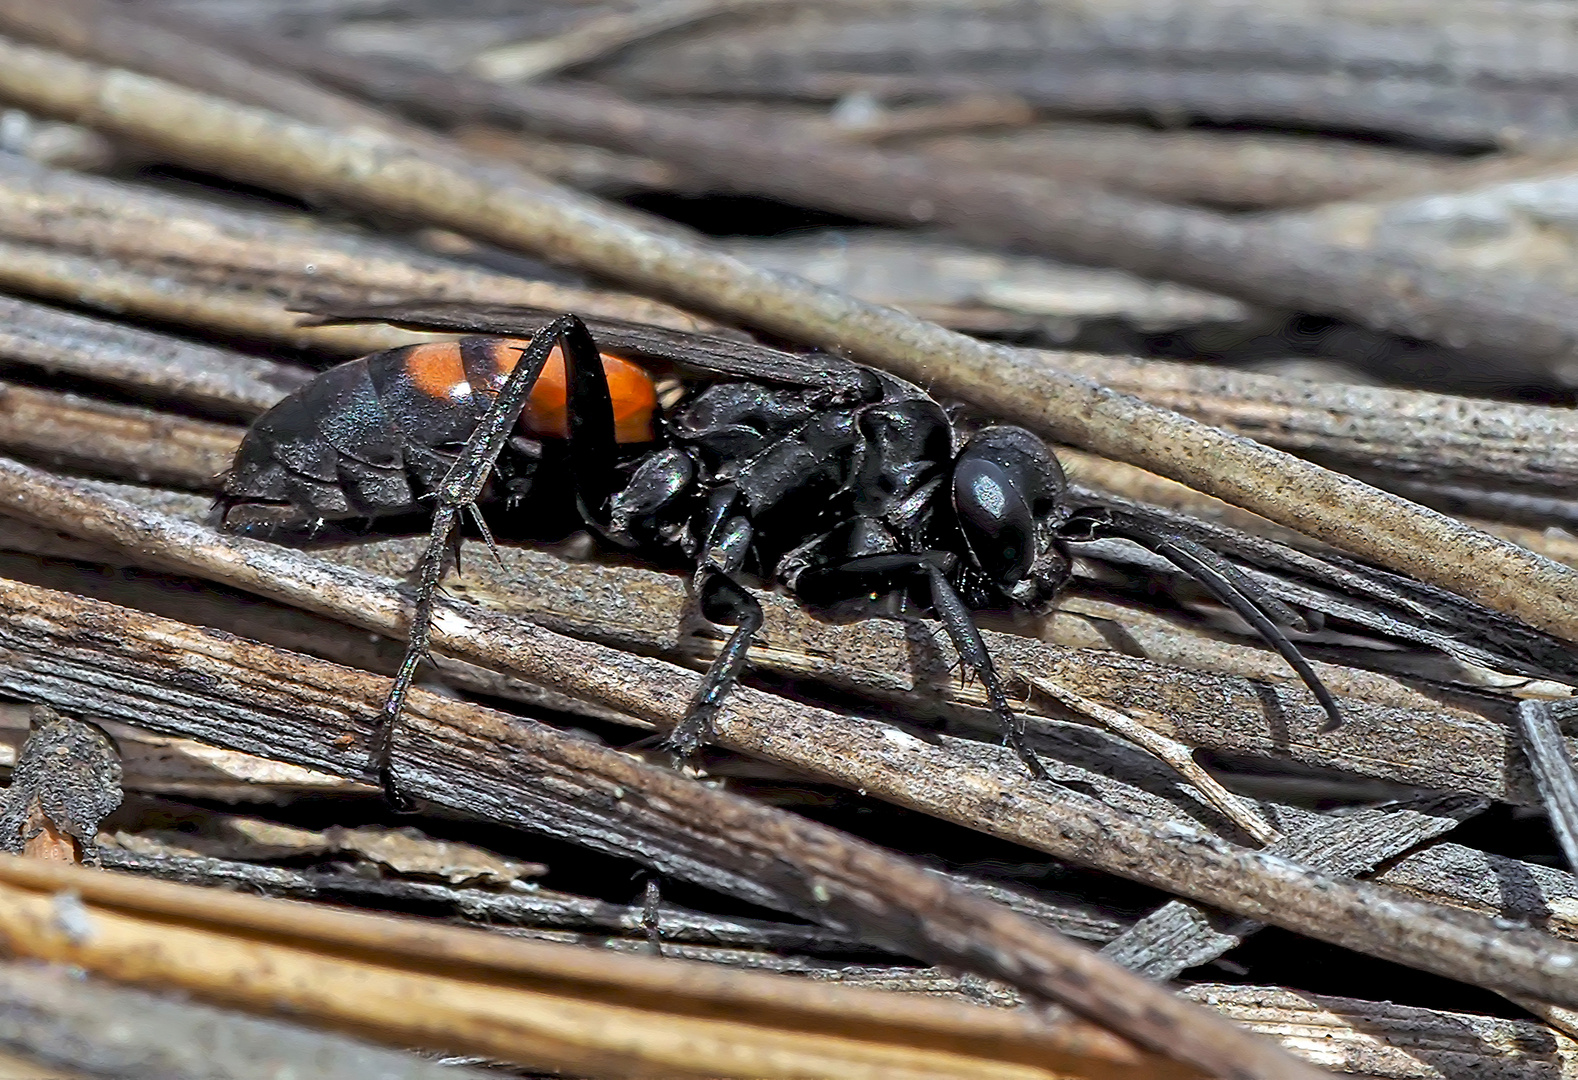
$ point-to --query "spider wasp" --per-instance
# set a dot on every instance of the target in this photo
(841, 483)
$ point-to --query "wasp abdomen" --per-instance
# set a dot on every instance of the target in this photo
(370, 437)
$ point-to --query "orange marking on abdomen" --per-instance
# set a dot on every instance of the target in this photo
(438, 371)
(436, 368)
(629, 386)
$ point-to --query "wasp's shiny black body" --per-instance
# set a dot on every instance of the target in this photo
(842, 483)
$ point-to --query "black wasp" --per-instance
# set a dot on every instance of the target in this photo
(842, 483)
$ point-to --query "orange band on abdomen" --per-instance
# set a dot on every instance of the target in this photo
(438, 371)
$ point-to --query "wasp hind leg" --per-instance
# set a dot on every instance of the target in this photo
(463, 485)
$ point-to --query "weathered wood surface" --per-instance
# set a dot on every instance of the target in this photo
(1180, 935)
(922, 773)
(190, 681)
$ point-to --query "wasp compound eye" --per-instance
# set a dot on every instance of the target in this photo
(996, 520)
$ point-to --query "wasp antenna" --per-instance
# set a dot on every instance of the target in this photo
(1243, 596)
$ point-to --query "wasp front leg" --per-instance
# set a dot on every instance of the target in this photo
(888, 572)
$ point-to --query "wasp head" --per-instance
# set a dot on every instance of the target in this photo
(1008, 491)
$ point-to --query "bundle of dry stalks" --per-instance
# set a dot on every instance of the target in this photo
(857, 880)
